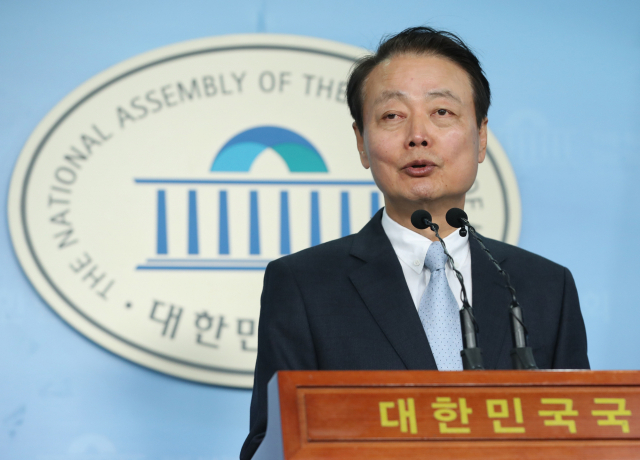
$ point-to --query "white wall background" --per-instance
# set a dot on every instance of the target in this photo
(566, 83)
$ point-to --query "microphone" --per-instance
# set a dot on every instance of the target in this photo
(471, 354)
(521, 354)
(421, 219)
(457, 218)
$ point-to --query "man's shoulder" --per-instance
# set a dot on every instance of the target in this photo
(342, 253)
(516, 256)
(325, 254)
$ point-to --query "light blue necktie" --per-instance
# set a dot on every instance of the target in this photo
(439, 313)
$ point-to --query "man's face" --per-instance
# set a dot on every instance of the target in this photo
(420, 138)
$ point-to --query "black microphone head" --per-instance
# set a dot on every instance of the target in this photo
(454, 217)
(419, 217)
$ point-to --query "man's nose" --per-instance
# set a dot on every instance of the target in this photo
(418, 135)
(415, 142)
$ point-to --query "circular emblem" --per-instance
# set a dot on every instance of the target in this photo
(146, 205)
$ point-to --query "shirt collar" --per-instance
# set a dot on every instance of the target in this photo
(411, 247)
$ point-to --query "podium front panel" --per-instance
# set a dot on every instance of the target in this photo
(446, 415)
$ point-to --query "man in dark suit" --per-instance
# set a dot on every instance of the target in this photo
(369, 300)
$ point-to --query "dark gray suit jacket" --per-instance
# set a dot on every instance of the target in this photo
(345, 305)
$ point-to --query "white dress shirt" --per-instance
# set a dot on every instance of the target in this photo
(411, 249)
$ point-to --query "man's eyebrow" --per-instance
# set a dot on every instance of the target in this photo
(443, 93)
(387, 95)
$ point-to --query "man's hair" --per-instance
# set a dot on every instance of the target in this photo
(421, 41)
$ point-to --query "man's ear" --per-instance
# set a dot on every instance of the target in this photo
(482, 148)
(364, 159)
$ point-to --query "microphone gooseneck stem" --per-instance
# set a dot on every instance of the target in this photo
(452, 264)
(471, 354)
(521, 354)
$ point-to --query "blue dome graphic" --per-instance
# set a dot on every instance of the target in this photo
(240, 152)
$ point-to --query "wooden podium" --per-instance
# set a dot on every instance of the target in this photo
(453, 415)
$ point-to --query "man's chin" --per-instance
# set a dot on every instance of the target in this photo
(424, 199)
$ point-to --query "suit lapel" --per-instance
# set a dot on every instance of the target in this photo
(490, 301)
(383, 288)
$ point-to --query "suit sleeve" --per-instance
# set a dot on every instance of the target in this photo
(571, 346)
(284, 343)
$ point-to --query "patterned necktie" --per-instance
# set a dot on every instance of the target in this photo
(439, 313)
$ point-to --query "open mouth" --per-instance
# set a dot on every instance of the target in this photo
(419, 167)
(417, 164)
